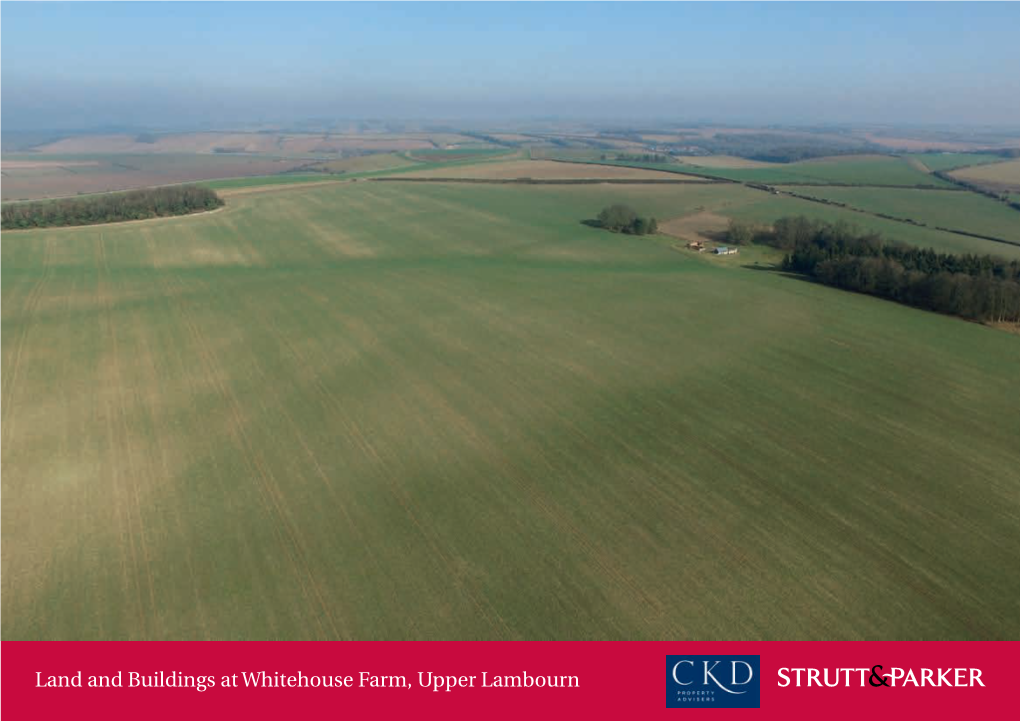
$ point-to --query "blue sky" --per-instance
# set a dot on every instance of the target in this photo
(171, 65)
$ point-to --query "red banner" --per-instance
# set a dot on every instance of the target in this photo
(506, 680)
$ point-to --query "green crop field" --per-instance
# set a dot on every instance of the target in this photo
(264, 180)
(937, 208)
(949, 161)
(766, 209)
(395, 411)
(855, 170)
(846, 169)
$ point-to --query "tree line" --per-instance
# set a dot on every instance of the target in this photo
(772, 148)
(110, 208)
(637, 157)
(977, 287)
(624, 219)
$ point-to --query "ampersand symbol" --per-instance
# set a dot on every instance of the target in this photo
(875, 677)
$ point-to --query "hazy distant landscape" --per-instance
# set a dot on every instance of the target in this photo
(531, 376)
(65, 165)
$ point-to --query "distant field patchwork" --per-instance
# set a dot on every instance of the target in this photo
(280, 143)
(844, 169)
(724, 161)
(47, 176)
(768, 208)
(447, 156)
(367, 163)
(542, 170)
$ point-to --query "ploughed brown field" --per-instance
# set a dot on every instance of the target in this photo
(997, 176)
(703, 226)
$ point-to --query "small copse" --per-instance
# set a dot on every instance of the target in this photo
(624, 219)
